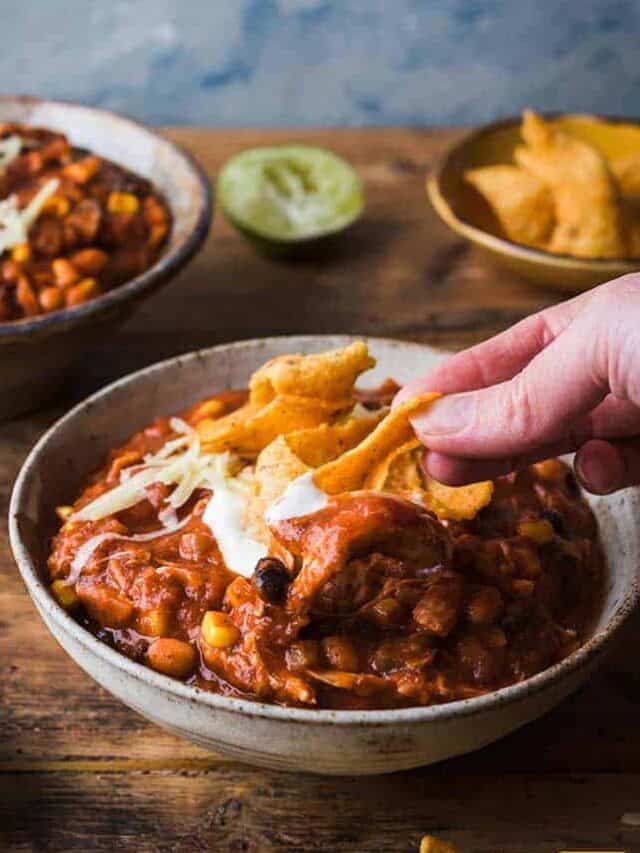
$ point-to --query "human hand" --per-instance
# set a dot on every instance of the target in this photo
(566, 379)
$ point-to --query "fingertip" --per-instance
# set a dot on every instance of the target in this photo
(599, 467)
(445, 469)
(409, 391)
(453, 471)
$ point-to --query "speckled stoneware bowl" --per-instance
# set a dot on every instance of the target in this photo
(334, 742)
(37, 353)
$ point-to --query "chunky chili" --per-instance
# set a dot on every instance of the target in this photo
(88, 225)
(395, 609)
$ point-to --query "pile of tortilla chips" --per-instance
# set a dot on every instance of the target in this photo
(302, 415)
(565, 193)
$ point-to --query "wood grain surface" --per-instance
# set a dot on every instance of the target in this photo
(80, 772)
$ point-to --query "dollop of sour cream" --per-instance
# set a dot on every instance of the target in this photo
(223, 515)
(301, 497)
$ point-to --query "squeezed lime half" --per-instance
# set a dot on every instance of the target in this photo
(287, 195)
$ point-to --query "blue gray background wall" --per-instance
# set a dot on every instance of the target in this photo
(357, 62)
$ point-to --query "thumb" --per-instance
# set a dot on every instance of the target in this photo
(606, 466)
(540, 407)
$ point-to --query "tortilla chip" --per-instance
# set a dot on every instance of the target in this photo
(588, 222)
(251, 428)
(522, 203)
(325, 376)
(276, 467)
(289, 393)
(626, 171)
(457, 503)
(398, 472)
(402, 474)
(321, 444)
(349, 472)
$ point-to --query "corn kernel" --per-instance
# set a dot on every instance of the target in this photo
(122, 203)
(539, 531)
(21, 253)
(550, 469)
(64, 512)
(65, 594)
(58, 205)
(218, 630)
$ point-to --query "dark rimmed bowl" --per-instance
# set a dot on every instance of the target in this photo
(37, 353)
(465, 211)
(318, 741)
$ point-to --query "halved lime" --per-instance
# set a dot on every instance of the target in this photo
(289, 195)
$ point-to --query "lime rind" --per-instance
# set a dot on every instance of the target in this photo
(290, 194)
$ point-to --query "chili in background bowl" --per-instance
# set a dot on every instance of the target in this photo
(38, 352)
(321, 741)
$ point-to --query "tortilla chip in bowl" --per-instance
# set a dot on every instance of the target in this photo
(552, 198)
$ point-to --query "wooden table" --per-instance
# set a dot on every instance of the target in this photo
(79, 771)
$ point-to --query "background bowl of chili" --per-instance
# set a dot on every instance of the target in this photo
(37, 352)
(323, 741)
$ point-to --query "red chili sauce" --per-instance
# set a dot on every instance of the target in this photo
(401, 609)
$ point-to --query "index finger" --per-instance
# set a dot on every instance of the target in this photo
(498, 359)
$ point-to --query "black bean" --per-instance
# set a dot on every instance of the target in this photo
(271, 580)
(556, 521)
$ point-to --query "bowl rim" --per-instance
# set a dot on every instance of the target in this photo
(582, 657)
(503, 245)
(166, 265)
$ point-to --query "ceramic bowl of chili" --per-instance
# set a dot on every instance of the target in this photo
(66, 288)
(322, 740)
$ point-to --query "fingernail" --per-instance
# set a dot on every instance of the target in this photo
(597, 468)
(445, 416)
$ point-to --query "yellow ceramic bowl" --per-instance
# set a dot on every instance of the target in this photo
(466, 212)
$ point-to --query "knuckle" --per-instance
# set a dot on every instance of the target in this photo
(614, 337)
(520, 413)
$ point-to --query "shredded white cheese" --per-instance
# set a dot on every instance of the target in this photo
(10, 148)
(181, 463)
(301, 497)
(15, 223)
